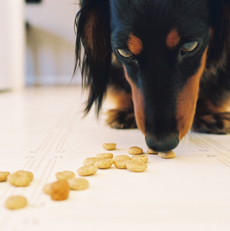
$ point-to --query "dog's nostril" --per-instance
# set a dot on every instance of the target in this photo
(163, 145)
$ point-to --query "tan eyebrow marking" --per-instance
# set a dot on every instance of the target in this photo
(134, 44)
(173, 39)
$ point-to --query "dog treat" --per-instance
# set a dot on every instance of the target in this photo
(104, 155)
(90, 161)
(120, 163)
(122, 157)
(3, 176)
(29, 174)
(16, 202)
(167, 155)
(20, 178)
(65, 175)
(59, 190)
(47, 189)
(87, 170)
(150, 151)
(104, 163)
(136, 166)
(135, 150)
(78, 183)
(140, 158)
(109, 146)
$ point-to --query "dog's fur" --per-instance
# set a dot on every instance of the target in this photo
(162, 88)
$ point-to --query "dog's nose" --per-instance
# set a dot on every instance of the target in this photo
(163, 145)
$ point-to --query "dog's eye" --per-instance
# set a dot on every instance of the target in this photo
(125, 53)
(188, 47)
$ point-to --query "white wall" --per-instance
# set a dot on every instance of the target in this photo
(12, 44)
(50, 50)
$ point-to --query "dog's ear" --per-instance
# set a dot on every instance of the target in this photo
(225, 30)
(93, 32)
(220, 21)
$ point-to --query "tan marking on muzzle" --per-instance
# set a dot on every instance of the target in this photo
(173, 39)
(134, 44)
(187, 99)
(138, 102)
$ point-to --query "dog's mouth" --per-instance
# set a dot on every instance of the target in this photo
(163, 145)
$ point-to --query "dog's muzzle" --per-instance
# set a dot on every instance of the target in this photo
(163, 145)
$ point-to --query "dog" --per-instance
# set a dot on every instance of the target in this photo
(165, 63)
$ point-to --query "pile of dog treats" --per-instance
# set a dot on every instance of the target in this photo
(66, 180)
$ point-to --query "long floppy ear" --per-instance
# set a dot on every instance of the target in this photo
(93, 32)
(225, 30)
(220, 20)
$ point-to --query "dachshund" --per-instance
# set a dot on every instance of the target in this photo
(165, 63)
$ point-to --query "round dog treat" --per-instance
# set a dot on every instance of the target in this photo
(65, 175)
(87, 170)
(136, 166)
(90, 161)
(150, 151)
(28, 173)
(3, 176)
(16, 202)
(47, 188)
(135, 150)
(59, 190)
(104, 163)
(104, 155)
(140, 158)
(167, 155)
(122, 157)
(78, 183)
(120, 163)
(109, 146)
(19, 179)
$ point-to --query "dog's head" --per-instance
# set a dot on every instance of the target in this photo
(163, 46)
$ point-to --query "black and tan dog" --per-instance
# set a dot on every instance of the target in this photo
(165, 62)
